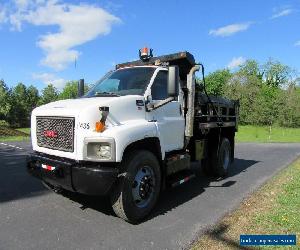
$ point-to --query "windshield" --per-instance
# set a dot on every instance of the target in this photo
(128, 81)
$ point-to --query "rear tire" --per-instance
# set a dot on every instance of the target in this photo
(137, 191)
(221, 159)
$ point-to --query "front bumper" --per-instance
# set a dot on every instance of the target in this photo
(91, 178)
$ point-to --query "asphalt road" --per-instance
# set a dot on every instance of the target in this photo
(31, 217)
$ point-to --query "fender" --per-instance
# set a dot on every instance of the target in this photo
(132, 131)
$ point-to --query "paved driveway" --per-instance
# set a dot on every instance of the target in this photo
(31, 217)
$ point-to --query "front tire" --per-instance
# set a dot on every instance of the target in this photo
(137, 191)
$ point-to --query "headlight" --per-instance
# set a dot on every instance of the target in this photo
(99, 150)
(104, 151)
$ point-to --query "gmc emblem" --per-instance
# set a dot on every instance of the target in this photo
(50, 133)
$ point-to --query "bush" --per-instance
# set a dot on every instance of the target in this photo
(4, 123)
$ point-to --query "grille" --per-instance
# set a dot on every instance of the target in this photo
(55, 133)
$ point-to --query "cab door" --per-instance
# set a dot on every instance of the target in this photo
(169, 118)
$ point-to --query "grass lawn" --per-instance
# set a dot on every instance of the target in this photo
(9, 134)
(273, 209)
(24, 130)
(14, 138)
(263, 134)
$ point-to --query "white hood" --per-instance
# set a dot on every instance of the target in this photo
(121, 108)
(72, 106)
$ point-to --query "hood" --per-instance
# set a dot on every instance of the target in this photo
(121, 108)
(76, 104)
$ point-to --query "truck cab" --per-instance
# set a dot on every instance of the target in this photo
(139, 127)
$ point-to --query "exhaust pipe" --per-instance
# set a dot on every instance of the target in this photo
(81, 88)
(189, 124)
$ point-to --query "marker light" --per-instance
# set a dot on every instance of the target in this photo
(100, 127)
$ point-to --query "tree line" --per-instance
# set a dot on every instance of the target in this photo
(16, 103)
(269, 94)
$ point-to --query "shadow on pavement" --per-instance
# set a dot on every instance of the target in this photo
(15, 182)
(170, 198)
(98, 203)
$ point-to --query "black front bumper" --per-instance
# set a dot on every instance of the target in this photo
(83, 177)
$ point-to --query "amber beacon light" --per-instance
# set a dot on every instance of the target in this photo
(144, 54)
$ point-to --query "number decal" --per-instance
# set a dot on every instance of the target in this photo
(84, 125)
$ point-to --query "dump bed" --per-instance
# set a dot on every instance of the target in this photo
(215, 111)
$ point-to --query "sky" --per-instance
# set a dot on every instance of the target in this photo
(56, 41)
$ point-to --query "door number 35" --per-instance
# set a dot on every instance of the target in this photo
(84, 125)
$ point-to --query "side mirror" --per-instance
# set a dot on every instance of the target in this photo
(81, 88)
(173, 81)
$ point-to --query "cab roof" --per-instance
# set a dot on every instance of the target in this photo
(184, 60)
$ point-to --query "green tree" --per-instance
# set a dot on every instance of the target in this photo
(49, 94)
(22, 100)
(216, 81)
(263, 101)
(32, 99)
(18, 116)
(251, 68)
(276, 74)
(70, 91)
(244, 88)
(289, 112)
(266, 105)
(4, 100)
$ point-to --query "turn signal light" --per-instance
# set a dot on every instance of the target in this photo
(100, 127)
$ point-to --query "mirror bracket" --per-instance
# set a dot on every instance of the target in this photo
(152, 106)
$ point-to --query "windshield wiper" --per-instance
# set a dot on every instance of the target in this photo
(105, 94)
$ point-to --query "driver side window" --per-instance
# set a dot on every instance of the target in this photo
(159, 88)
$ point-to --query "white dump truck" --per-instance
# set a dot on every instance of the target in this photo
(136, 132)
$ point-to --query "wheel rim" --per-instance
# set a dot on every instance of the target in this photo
(143, 186)
(225, 158)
